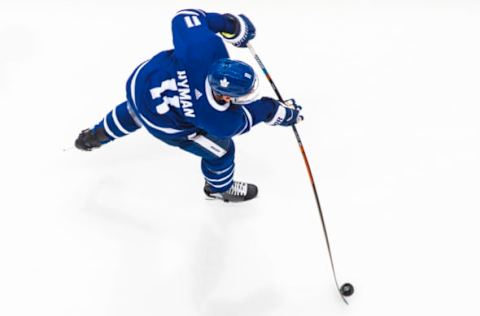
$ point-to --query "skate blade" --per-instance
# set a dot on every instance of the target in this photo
(211, 198)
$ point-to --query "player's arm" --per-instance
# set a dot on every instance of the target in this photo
(194, 27)
(228, 120)
(237, 30)
(193, 40)
(272, 112)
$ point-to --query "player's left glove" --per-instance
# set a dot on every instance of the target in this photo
(286, 114)
(244, 30)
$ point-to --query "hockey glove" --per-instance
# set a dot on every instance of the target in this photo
(90, 139)
(244, 30)
(286, 114)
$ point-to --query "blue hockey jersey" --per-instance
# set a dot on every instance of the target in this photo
(170, 95)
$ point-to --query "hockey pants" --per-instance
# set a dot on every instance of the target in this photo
(217, 153)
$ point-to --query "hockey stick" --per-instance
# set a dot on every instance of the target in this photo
(346, 289)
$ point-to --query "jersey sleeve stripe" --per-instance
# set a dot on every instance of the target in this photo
(112, 126)
(117, 122)
(249, 116)
(107, 128)
(126, 117)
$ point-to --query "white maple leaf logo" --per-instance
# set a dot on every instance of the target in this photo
(224, 83)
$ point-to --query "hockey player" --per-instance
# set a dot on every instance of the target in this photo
(194, 97)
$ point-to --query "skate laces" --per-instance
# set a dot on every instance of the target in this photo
(238, 189)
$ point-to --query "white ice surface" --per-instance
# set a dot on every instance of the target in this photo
(390, 91)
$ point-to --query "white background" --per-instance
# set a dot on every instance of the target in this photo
(390, 91)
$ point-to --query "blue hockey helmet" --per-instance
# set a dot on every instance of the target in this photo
(233, 78)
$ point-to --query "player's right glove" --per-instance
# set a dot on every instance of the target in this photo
(244, 30)
(286, 114)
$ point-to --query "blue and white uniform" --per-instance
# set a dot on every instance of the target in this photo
(170, 96)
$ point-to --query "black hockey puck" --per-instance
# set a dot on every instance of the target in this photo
(346, 289)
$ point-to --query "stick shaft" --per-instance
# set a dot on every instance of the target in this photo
(307, 164)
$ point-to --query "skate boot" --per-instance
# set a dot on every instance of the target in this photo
(90, 139)
(238, 192)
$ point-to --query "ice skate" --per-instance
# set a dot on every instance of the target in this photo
(238, 192)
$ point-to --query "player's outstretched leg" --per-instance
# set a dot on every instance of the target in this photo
(117, 123)
(219, 172)
(218, 168)
(238, 192)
